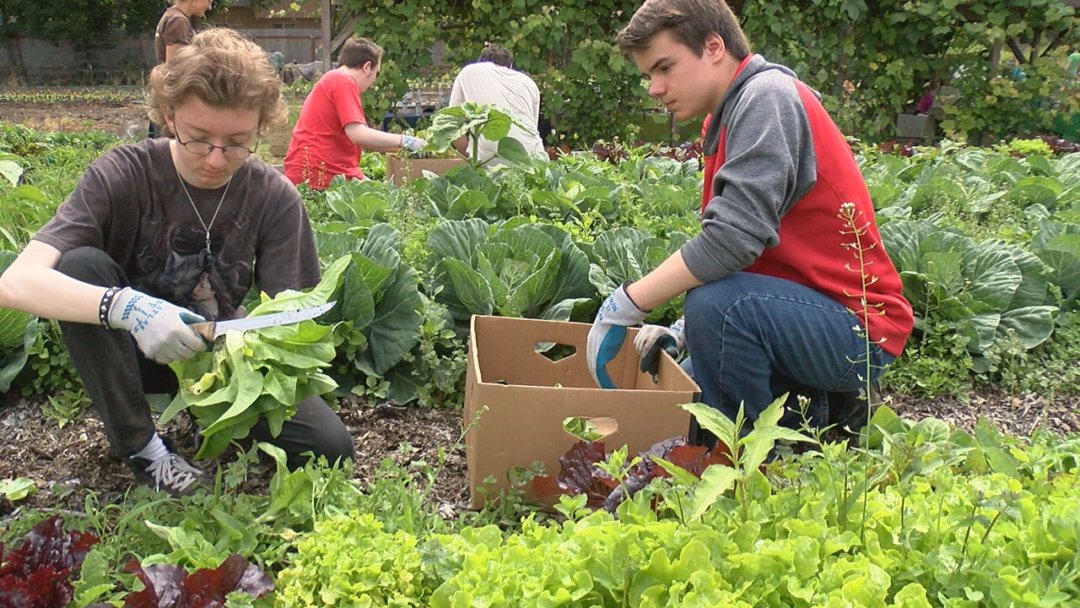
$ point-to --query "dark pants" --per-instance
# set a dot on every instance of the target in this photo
(117, 377)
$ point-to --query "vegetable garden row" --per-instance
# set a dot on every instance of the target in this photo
(988, 244)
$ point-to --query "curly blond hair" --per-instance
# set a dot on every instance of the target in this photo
(223, 69)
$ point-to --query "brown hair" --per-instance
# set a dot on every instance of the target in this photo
(690, 22)
(358, 51)
(223, 69)
(497, 54)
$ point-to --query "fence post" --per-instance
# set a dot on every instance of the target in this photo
(327, 15)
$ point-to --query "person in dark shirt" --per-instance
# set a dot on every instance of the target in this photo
(175, 29)
(170, 231)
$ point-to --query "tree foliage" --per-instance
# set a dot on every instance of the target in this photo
(86, 23)
(891, 51)
(90, 23)
(869, 59)
(567, 46)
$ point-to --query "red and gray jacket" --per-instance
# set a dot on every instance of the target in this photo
(777, 170)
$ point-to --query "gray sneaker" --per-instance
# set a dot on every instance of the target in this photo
(171, 473)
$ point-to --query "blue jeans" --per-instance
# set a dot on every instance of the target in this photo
(754, 337)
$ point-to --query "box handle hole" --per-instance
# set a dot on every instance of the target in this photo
(553, 351)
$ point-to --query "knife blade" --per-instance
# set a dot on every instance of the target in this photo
(215, 329)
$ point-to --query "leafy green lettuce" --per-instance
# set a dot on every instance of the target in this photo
(264, 372)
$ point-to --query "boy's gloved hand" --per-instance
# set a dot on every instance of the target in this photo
(649, 334)
(160, 328)
(413, 144)
(609, 332)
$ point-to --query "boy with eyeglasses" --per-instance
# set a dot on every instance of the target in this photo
(170, 231)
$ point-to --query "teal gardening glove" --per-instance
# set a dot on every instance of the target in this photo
(609, 332)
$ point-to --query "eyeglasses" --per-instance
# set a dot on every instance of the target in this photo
(204, 148)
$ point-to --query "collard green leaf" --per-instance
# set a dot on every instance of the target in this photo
(512, 150)
(471, 288)
(1036, 190)
(395, 328)
(527, 298)
(1065, 272)
(1034, 283)
(13, 360)
(359, 202)
(13, 324)
(458, 240)
(1033, 324)
(292, 300)
(381, 244)
(994, 276)
(572, 281)
(468, 203)
(357, 300)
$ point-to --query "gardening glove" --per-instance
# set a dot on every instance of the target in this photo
(160, 328)
(649, 334)
(609, 332)
(413, 144)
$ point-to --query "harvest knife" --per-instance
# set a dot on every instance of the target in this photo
(214, 329)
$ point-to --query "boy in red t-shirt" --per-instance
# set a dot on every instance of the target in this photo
(332, 132)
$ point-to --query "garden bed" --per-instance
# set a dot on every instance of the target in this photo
(75, 460)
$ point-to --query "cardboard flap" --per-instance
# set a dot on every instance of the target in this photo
(510, 355)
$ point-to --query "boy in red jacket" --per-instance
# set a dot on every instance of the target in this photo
(774, 290)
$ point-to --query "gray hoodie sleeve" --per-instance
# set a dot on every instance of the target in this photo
(769, 165)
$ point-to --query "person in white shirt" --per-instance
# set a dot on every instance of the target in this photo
(492, 80)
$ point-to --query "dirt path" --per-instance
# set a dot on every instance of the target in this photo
(125, 120)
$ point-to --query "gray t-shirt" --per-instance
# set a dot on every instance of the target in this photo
(130, 204)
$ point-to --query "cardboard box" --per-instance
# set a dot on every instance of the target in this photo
(401, 169)
(279, 141)
(528, 394)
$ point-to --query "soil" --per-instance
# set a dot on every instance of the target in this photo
(74, 460)
(126, 120)
(69, 462)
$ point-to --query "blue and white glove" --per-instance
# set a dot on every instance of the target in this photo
(609, 332)
(413, 144)
(160, 328)
(649, 334)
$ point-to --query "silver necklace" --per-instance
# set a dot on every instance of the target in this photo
(206, 227)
